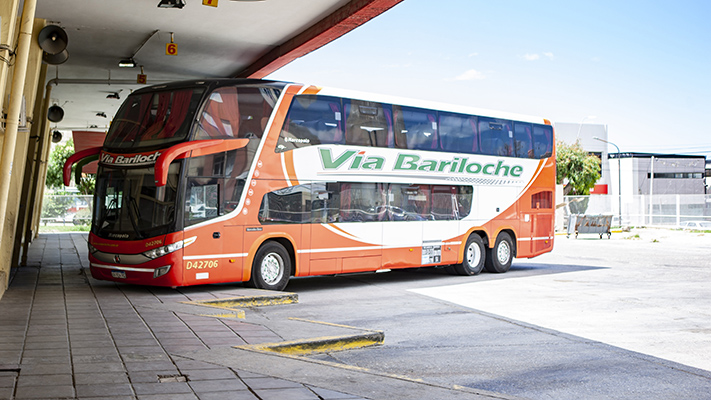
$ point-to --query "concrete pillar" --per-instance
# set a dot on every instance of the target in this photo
(8, 36)
(27, 206)
(14, 146)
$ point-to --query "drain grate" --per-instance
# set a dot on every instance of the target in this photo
(172, 378)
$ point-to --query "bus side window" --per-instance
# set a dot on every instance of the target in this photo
(496, 137)
(326, 204)
(542, 141)
(415, 128)
(311, 120)
(523, 143)
(367, 123)
(361, 202)
(286, 206)
(542, 200)
(458, 133)
(202, 200)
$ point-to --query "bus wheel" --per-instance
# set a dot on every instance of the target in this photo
(272, 267)
(498, 258)
(473, 261)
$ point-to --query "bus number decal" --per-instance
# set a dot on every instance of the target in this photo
(202, 264)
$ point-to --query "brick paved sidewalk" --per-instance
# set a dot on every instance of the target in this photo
(65, 335)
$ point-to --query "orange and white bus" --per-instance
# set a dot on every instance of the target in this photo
(255, 181)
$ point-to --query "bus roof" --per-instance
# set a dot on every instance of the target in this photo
(454, 108)
(357, 95)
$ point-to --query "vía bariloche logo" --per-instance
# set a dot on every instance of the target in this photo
(137, 159)
(355, 160)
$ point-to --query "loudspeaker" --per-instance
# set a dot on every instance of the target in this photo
(55, 59)
(56, 137)
(52, 39)
(55, 113)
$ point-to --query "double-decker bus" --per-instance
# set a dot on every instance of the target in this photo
(255, 181)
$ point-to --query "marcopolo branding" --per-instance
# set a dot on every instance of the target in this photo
(130, 159)
(355, 160)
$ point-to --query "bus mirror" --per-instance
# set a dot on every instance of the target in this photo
(75, 158)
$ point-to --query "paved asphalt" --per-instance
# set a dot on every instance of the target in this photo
(625, 318)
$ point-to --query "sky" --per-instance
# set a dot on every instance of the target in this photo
(643, 68)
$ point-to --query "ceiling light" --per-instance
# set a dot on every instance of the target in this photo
(113, 95)
(101, 114)
(171, 4)
(127, 63)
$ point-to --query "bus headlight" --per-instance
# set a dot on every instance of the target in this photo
(161, 251)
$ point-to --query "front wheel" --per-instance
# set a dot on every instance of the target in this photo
(271, 268)
(473, 261)
(498, 258)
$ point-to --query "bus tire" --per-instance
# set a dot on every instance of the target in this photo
(499, 257)
(271, 268)
(474, 256)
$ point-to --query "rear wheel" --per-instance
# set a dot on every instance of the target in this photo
(498, 258)
(474, 256)
(271, 268)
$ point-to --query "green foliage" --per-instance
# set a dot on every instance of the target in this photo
(54, 207)
(56, 163)
(576, 169)
(55, 170)
(86, 185)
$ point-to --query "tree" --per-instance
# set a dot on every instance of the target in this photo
(56, 165)
(86, 184)
(577, 169)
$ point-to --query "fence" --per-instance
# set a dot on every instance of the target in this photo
(641, 210)
(66, 210)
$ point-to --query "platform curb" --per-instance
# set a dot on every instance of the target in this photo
(233, 304)
(324, 344)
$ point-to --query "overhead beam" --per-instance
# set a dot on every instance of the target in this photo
(342, 21)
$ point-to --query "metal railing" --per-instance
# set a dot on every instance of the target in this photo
(66, 210)
(641, 210)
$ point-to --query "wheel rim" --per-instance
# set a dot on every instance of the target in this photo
(272, 268)
(503, 253)
(473, 255)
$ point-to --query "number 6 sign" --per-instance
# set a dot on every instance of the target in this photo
(171, 49)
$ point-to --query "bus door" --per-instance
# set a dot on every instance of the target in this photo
(541, 222)
(209, 259)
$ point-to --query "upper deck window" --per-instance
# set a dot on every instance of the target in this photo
(236, 112)
(542, 141)
(496, 137)
(312, 120)
(154, 118)
(367, 123)
(458, 133)
(415, 128)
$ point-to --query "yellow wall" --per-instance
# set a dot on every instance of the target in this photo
(19, 157)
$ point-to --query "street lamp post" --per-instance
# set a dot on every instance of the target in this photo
(619, 177)
(580, 127)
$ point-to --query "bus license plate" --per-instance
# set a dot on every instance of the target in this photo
(118, 274)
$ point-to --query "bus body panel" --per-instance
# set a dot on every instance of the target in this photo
(113, 269)
(508, 194)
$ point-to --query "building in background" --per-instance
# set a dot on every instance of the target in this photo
(644, 189)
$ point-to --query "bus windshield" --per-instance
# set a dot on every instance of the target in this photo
(129, 206)
(159, 118)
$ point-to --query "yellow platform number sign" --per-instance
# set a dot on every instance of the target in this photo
(171, 49)
(211, 3)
